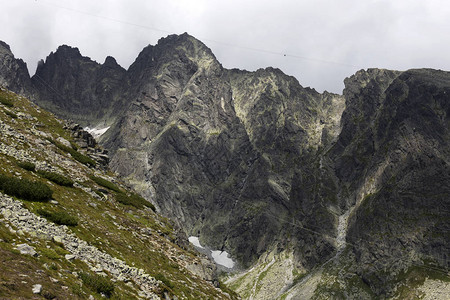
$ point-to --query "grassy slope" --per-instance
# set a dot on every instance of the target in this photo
(140, 237)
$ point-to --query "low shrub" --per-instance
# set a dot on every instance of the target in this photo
(48, 295)
(98, 283)
(25, 189)
(27, 165)
(11, 114)
(82, 158)
(134, 200)
(106, 183)
(49, 253)
(5, 101)
(74, 146)
(58, 217)
(164, 280)
(74, 153)
(56, 178)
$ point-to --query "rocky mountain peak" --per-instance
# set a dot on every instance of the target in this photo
(5, 46)
(13, 72)
(111, 62)
(184, 49)
(66, 57)
(62, 74)
(68, 51)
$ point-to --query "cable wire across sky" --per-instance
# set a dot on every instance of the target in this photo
(227, 44)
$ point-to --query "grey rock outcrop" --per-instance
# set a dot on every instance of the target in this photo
(37, 288)
(88, 145)
(13, 72)
(400, 152)
(77, 88)
(26, 249)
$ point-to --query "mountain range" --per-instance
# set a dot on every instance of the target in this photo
(314, 195)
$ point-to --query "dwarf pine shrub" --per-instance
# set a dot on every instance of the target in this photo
(106, 183)
(134, 200)
(98, 283)
(5, 101)
(25, 189)
(58, 217)
(74, 153)
(56, 178)
(27, 165)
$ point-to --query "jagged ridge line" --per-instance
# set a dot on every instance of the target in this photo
(209, 40)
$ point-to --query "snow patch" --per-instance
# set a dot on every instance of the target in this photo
(222, 258)
(195, 241)
(97, 132)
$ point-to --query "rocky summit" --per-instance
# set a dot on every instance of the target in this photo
(314, 195)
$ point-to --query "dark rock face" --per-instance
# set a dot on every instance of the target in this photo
(251, 161)
(404, 151)
(190, 139)
(13, 72)
(75, 87)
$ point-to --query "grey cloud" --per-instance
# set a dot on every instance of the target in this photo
(323, 39)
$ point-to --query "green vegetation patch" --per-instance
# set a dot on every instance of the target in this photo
(11, 114)
(56, 178)
(106, 183)
(49, 253)
(75, 154)
(27, 165)
(164, 280)
(98, 283)
(25, 189)
(5, 101)
(134, 200)
(58, 217)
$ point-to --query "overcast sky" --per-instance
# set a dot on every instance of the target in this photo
(320, 42)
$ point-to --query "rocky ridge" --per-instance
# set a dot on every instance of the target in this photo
(13, 72)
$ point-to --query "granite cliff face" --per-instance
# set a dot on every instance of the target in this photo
(298, 184)
(78, 88)
(402, 156)
(13, 72)
(220, 165)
